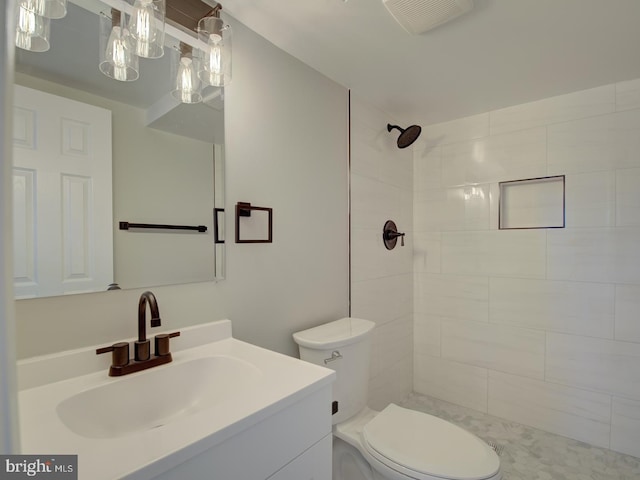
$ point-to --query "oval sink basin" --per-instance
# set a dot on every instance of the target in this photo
(156, 397)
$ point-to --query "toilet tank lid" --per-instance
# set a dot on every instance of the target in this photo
(334, 334)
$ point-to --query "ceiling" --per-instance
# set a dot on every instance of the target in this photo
(502, 53)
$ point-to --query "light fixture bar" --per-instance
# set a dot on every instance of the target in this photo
(171, 32)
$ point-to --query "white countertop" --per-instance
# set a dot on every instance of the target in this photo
(282, 381)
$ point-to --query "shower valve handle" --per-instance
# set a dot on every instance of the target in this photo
(390, 235)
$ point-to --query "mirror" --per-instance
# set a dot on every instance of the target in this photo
(167, 168)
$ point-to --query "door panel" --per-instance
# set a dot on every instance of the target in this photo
(63, 239)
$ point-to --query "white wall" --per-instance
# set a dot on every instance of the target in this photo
(536, 326)
(286, 148)
(381, 279)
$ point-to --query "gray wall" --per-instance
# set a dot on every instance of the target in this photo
(8, 399)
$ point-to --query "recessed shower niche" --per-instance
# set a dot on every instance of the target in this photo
(532, 203)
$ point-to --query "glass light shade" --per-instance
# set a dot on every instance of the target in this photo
(32, 30)
(216, 63)
(117, 57)
(45, 8)
(186, 84)
(146, 26)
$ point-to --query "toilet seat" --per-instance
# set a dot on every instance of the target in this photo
(425, 447)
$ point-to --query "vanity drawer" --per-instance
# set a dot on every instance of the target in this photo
(314, 464)
(268, 449)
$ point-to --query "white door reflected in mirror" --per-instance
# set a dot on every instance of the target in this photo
(62, 195)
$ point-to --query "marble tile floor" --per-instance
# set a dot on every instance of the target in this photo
(532, 454)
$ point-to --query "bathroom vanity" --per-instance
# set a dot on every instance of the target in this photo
(222, 409)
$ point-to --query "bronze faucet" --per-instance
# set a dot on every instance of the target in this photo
(142, 347)
(120, 362)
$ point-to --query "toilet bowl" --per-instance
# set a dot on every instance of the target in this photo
(395, 443)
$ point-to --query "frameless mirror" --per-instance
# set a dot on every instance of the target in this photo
(93, 156)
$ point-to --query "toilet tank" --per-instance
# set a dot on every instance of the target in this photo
(343, 345)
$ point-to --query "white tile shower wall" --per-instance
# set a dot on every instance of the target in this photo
(537, 326)
(559, 409)
(452, 296)
(627, 325)
(625, 422)
(570, 307)
(628, 95)
(590, 199)
(455, 382)
(513, 350)
(519, 154)
(381, 279)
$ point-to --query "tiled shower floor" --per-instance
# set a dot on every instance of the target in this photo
(531, 454)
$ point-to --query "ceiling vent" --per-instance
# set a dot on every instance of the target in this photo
(418, 16)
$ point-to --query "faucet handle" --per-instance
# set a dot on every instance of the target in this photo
(120, 353)
(142, 350)
(162, 343)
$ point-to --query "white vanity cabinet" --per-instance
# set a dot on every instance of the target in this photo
(223, 409)
(292, 444)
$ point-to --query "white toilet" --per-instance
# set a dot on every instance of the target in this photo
(396, 443)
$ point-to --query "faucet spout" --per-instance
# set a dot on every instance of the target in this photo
(147, 297)
(143, 346)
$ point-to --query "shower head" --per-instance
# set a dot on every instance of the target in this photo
(407, 135)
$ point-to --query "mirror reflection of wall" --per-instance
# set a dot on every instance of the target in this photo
(166, 157)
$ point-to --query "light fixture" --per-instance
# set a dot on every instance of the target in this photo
(46, 8)
(32, 30)
(137, 30)
(146, 26)
(186, 85)
(215, 69)
(33, 22)
(117, 58)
